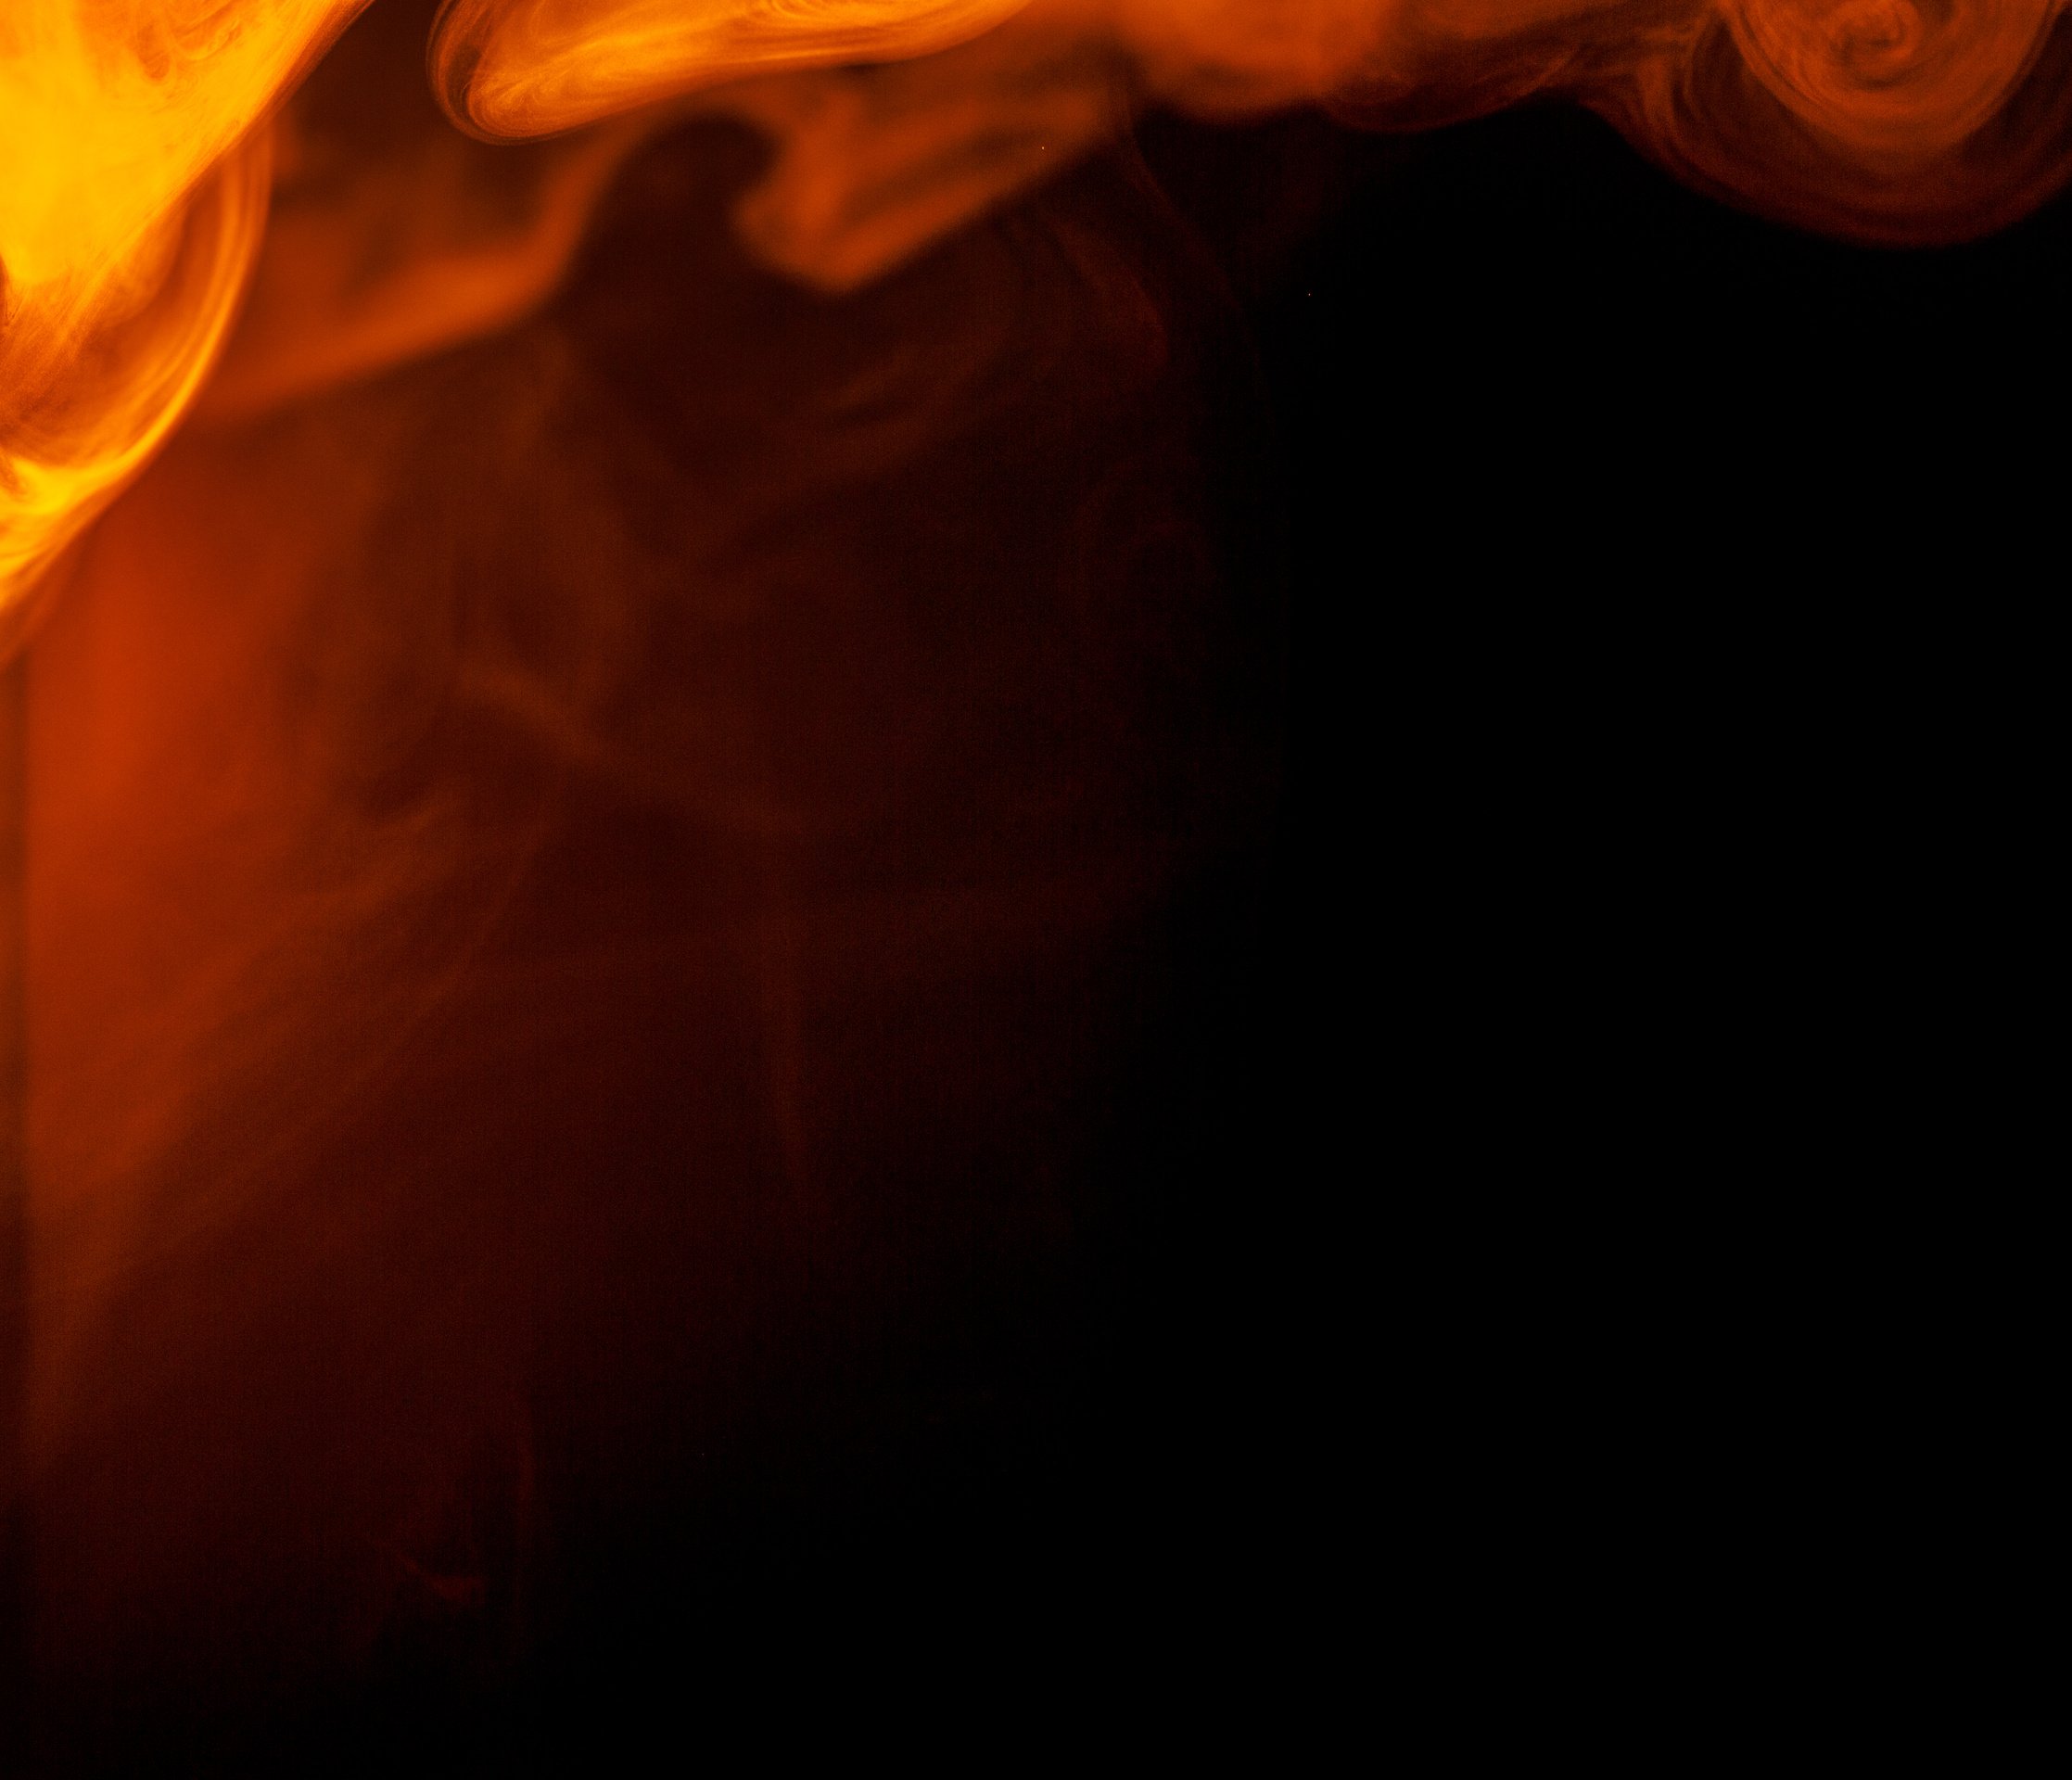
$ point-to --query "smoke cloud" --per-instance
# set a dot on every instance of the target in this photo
(636, 614)
(137, 139)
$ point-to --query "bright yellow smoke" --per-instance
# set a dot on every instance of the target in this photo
(132, 200)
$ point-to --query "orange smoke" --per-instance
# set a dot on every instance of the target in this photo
(542, 66)
(134, 201)
(132, 207)
(1894, 122)
(1887, 121)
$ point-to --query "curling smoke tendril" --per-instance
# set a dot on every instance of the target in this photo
(135, 138)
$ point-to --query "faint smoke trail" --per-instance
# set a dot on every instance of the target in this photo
(14, 1214)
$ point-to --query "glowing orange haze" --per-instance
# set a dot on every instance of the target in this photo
(135, 153)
